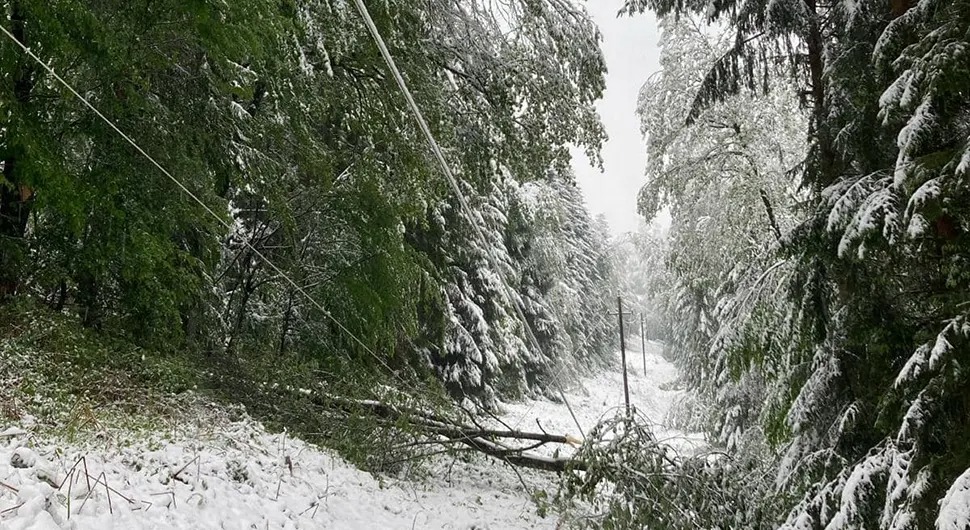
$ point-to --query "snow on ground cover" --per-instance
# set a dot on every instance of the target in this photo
(235, 475)
(220, 470)
(652, 393)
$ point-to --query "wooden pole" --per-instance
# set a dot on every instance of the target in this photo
(643, 345)
(626, 387)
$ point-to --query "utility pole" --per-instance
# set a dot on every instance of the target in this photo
(626, 386)
(643, 345)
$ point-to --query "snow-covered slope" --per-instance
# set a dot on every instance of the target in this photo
(238, 476)
(215, 470)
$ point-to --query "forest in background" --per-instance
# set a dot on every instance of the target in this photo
(813, 158)
(283, 120)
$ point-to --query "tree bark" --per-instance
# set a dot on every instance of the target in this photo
(89, 300)
(16, 196)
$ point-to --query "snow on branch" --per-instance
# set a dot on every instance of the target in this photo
(955, 508)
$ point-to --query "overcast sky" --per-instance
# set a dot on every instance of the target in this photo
(632, 55)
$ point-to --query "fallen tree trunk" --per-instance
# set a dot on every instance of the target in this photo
(480, 438)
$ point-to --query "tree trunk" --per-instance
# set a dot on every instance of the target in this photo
(88, 298)
(483, 439)
(247, 291)
(826, 171)
(16, 196)
(287, 315)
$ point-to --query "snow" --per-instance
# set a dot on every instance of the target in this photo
(238, 475)
(919, 123)
(927, 192)
(652, 392)
(208, 471)
(859, 488)
(238, 111)
(927, 359)
(964, 164)
(955, 508)
(824, 370)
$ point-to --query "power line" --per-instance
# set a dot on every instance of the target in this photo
(195, 198)
(431, 140)
(446, 169)
(555, 376)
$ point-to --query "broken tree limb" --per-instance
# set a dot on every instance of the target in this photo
(480, 438)
(771, 214)
(524, 458)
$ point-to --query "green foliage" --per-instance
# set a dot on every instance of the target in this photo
(633, 480)
(856, 353)
(71, 379)
(281, 119)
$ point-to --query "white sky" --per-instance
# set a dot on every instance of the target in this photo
(632, 55)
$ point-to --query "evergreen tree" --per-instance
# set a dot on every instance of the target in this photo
(863, 385)
(282, 119)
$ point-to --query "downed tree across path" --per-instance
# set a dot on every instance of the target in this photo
(488, 441)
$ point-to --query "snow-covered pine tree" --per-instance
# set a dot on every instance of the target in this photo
(567, 270)
(869, 376)
(555, 260)
(894, 455)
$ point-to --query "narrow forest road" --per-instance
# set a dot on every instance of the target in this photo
(220, 474)
(652, 393)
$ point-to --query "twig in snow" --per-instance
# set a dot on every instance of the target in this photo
(116, 492)
(201, 498)
(74, 475)
(70, 486)
(108, 493)
(175, 476)
(12, 508)
(86, 497)
(172, 493)
(90, 491)
(452, 465)
(521, 480)
(539, 424)
(70, 473)
(315, 504)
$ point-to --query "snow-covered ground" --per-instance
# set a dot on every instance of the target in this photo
(651, 393)
(237, 476)
(211, 472)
